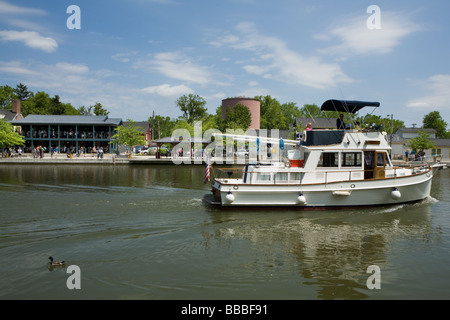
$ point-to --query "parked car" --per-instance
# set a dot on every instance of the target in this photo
(241, 153)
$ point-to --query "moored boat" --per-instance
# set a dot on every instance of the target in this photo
(326, 169)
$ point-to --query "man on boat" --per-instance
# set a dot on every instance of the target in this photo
(340, 122)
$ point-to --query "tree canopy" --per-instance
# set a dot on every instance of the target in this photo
(422, 142)
(42, 103)
(238, 117)
(273, 115)
(8, 137)
(129, 135)
(193, 107)
(434, 120)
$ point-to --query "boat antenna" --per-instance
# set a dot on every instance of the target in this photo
(311, 116)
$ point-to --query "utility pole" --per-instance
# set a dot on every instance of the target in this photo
(390, 137)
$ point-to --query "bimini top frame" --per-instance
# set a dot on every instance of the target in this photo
(349, 106)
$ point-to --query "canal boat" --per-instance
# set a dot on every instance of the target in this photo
(326, 169)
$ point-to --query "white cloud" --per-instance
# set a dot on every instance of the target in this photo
(355, 38)
(11, 9)
(279, 62)
(167, 90)
(16, 68)
(61, 77)
(439, 93)
(31, 39)
(180, 67)
(21, 17)
(124, 57)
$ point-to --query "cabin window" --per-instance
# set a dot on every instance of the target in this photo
(381, 159)
(352, 159)
(295, 176)
(329, 159)
(264, 177)
(281, 176)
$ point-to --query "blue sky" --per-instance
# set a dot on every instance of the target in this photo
(139, 56)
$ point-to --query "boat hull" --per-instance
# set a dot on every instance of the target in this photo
(333, 195)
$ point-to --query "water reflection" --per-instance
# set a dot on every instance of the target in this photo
(75, 176)
(329, 250)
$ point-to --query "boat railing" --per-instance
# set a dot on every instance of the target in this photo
(243, 176)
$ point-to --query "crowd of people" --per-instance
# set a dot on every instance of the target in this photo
(70, 134)
(39, 151)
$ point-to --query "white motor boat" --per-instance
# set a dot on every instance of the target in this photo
(329, 169)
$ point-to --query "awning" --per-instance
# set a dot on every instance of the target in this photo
(347, 105)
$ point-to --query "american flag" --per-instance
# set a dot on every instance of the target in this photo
(207, 170)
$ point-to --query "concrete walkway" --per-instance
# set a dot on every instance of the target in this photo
(110, 159)
(123, 159)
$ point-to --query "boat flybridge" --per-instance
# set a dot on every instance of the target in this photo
(325, 169)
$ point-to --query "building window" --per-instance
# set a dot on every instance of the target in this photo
(437, 152)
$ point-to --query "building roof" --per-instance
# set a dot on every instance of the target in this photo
(416, 130)
(67, 120)
(8, 115)
(143, 125)
(441, 142)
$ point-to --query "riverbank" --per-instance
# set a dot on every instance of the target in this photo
(108, 159)
(112, 159)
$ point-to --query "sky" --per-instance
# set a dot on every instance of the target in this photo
(137, 57)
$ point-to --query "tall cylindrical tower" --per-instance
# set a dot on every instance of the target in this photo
(253, 105)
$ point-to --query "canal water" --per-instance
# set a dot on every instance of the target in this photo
(143, 232)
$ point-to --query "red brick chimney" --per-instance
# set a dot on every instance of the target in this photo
(16, 108)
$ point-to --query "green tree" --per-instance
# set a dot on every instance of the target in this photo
(129, 135)
(434, 120)
(209, 122)
(21, 91)
(290, 111)
(183, 124)
(37, 103)
(83, 111)
(311, 111)
(56, 107)
(370, 120)
(8, 137)
(237, 118)
(193, 107)
(6, 97)
(99, 110)
(162, 126)
(272, 116)
(70, 110)
(422, 142)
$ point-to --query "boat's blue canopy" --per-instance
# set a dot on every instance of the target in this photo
(347, 105)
